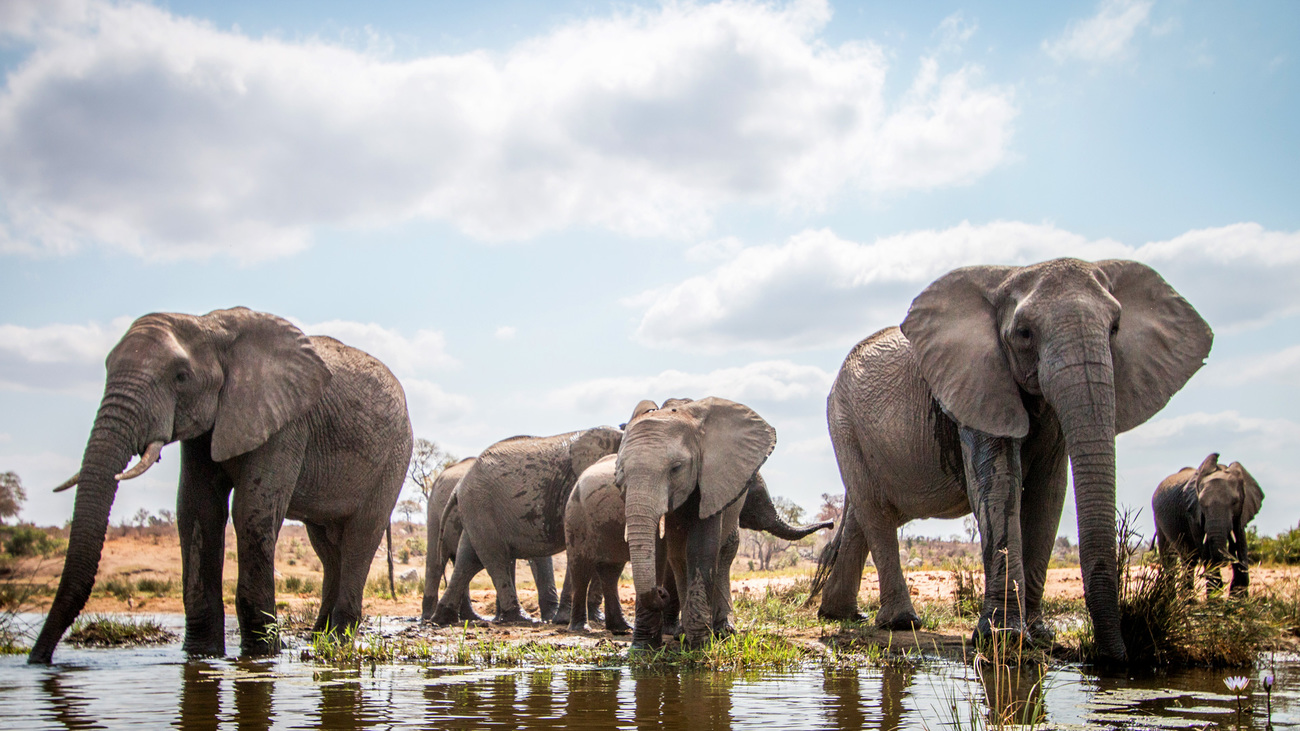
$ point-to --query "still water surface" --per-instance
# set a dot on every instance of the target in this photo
(158, 688)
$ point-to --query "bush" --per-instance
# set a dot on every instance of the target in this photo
(28, 540)
(1281, 549)
(157, 587)
(119, 587)
(297, 585)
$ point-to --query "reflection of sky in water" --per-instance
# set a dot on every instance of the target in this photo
(152, 687)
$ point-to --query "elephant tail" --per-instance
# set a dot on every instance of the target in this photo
(392, 585)
(825, 562)
(448, 510)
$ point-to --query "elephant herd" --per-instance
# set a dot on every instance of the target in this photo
(997, 378)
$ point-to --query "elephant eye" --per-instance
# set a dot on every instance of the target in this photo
(182, 376)
(1114, 328)
(1024, 333)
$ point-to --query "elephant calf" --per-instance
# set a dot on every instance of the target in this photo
(1201, 516)
(594, 526)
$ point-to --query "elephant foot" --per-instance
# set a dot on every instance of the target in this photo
(549, 614)
(1040, 633)
(724, 629)
(617, 625)
(446, 616)
(674, 629)
(904, 622)
(644, 646)
(514, 619)
(562, 615)
(851, 616)
(596, 615)
(577, 629)
(1005, 632)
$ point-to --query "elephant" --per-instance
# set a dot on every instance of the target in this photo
(291, 426)
(511, 503)
(1201, 516)
(444, 537)
(594, 527)
(997, 376)
(689, 464)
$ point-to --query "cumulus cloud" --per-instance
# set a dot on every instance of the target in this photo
(1226, 431)
(506, 332)
(771, 382)
(1105, 36)
(161, 135)
(1280, 367)
(60, 357)
(820, 290)
(432, 407)
(402, 354)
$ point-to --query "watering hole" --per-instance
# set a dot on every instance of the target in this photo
(158, 687)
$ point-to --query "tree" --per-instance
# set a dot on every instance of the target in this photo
(141, 518)
(428, 460)
(407, 507)
(832, 507)
(12, 495)
(766, 547)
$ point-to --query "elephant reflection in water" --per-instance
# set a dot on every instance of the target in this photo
(67, 709)
(698, 701)
(510, 700)
(848, 706)
(201, 687)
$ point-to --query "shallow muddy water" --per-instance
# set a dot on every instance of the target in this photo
(158, 687)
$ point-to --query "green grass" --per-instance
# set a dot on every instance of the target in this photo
(103, 631)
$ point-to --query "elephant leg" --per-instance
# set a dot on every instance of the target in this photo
(501, 567)
(896, 610)
(434, 568)
(266, 478)
(674, 581)
(564, 612)
(993, 483)
(357, 546)
(703, 544)
(202, 507)
(850, 545)
(467, 565)
(325, 541)
(722, 608)
(609, 574)
(544, 578)
(579, 578)
(1045, 485)
(1240, 586)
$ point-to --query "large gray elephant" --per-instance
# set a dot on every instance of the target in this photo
(689, 464)
(997, 376)
(511, 503)
(292, 426)
(445, 527)
(596, 548)
(1201, 516)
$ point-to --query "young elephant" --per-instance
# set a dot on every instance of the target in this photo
(511, 503)
(445, 527)
(1201, 516)
(595, 523)
(273, 424)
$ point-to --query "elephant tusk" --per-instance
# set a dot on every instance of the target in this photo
(70, 482)
(147, 460)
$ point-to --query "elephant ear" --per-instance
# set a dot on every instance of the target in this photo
(953, 328)
(734, 442)
(1161, 341)
(589, 446)
(273, 375)
(1252, 495)
(645, 407)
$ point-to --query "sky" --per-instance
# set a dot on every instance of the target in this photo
(538, 214)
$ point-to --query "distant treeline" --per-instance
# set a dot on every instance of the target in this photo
(1284, 548)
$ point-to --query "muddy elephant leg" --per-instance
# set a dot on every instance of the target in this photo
(840, 593)
(564, 612)
(357, 546)
(674, 581)
(544, 578)
(703, 544)
(579, 579)
(1045, 486)
(722, 608)
(264, 485)
(609, 574)
(202, 507)
(325, 541)
(993, 484)
(1240, 586)
(896, 610)
(451, 604)
(501, 567)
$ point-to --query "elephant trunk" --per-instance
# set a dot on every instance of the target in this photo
(112, 442)
(643, 514)
(759, 513)
(1078, 381)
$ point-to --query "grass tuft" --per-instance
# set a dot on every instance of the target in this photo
(104, 631)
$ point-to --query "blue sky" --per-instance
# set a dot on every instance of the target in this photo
(539, 214)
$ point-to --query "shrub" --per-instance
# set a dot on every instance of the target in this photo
(28, 540)
(157, 587)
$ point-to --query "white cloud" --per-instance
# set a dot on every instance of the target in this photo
(402, 355)
(1103, 37)
(165, 136)
(506, 332)
(431, 407)
(771, 382)
(819, 290)
(59, 357)
(1223, 428)
(1280, 367)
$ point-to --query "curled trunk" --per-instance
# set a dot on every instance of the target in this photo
(759, 513)
(1079, 384)
(107, 453)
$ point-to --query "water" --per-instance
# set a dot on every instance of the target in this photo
(158, 687)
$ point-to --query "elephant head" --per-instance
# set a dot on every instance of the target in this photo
(236, 375)
(1106, 345)
(1221, 502)
(590, 445)
(708, 449)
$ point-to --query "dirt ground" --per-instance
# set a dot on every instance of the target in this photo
(136, 554)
